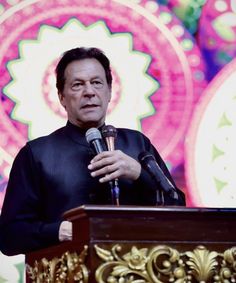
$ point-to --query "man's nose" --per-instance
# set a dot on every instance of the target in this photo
(88, 88)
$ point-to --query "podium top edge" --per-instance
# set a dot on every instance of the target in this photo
(90, 209)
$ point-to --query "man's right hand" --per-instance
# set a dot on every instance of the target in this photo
(111, 165)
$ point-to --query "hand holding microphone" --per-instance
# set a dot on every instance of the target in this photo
(111, 165)
(94, 138)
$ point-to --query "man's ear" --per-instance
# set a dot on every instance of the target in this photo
(109, 99)
(62, 99)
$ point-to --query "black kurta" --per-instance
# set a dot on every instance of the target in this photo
(50, 175)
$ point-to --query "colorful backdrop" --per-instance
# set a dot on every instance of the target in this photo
(174, 71)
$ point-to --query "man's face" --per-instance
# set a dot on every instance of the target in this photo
(86, 93)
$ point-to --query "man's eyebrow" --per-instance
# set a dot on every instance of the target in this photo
(93, 78)
(96, 77)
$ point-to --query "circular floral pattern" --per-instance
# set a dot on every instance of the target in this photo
(210, 148)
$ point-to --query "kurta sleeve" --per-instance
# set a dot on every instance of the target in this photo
(22, 227)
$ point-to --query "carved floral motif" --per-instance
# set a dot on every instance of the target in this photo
(165, 264)
(68, 268)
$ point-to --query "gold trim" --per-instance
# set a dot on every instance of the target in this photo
(165, 264)
(68, 268)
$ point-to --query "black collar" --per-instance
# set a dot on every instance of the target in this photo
(77, 134)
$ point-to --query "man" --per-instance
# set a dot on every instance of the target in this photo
(60, 171)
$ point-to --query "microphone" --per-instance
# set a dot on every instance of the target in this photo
(94, 138)
(148, 162)
(109, 133)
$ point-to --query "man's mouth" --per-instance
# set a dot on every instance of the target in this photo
(88, 106)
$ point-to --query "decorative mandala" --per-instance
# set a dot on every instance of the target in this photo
(211, 150)
(31, 80)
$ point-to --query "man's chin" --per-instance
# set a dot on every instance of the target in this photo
(90, 123)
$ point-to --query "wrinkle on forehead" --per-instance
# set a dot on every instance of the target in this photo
(85, 69)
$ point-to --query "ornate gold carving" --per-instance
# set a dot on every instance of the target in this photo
(165, 264)
(202, 263)
(68, 268)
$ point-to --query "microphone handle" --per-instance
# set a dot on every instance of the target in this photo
(97, 146)
(110, 141)
(115, 190)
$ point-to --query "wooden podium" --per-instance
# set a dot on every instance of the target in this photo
(141, 244)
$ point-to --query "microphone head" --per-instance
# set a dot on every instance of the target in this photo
(109, 131)
(93, 134)
(149, 163)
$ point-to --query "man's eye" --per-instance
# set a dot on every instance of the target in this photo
(76, 85)
(97, 84)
